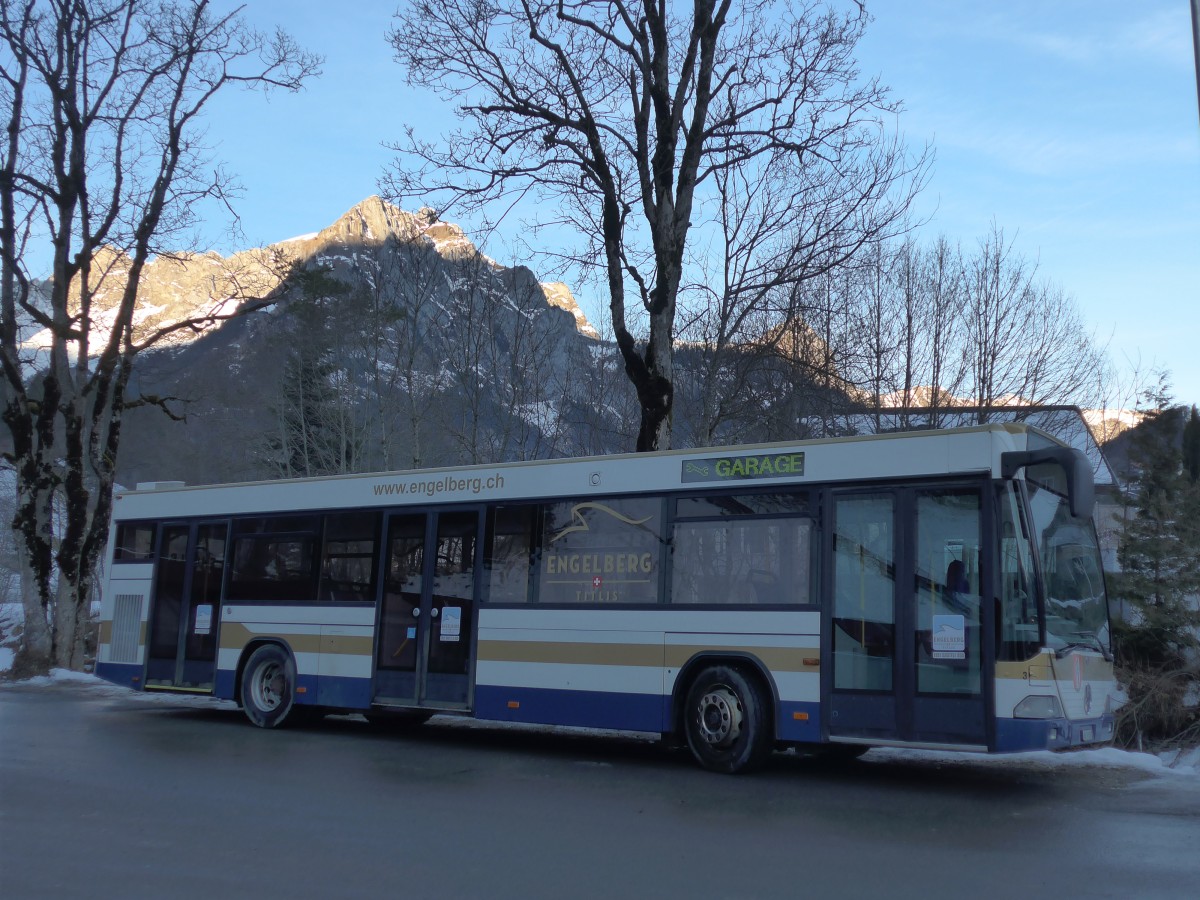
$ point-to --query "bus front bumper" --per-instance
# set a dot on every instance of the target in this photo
(1016, 735)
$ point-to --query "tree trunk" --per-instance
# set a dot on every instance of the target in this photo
(656, 390)
(35, 649)
(72, 621)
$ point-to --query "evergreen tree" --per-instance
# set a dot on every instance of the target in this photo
(1159, 556)
(318, 423)
(1191, 447)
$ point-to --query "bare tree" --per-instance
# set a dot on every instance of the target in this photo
(909, 328)
(1026, 340)
(909, 331)
(321, 421)
(103, 149)
(502, 345)
(529, 353)
(772, 227)
(402, 294)
(942, 297)
(623, 114)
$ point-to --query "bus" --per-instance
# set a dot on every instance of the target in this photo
(938, 589)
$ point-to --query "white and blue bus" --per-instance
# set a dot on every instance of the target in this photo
(936, 589)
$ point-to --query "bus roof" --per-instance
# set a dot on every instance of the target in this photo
(968, 450)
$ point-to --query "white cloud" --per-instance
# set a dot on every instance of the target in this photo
(1043, 153)
(1161, 36)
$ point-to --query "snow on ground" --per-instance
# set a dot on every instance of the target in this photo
(10, 618)
(99, 688)
(1167, 764)
(1173, 764)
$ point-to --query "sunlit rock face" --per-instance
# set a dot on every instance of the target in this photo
(425, 339)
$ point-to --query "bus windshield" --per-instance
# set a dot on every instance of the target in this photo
(1076, 603)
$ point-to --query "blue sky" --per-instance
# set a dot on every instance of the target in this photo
(1072, 125)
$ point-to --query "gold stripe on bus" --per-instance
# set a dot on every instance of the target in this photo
(1044, 667)
(776, 659)
(1094, 668)
(1019, 670)
(348, 644)
(106, 633)
(235, 636)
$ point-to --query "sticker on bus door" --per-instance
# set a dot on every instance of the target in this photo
(949, 637)
(451, 623)
(203, 619)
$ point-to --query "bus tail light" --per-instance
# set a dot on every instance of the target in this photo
(1038, 706)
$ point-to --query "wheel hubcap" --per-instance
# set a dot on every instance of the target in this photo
(719, 715)
(269, 686)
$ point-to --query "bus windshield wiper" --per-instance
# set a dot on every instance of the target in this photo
(1093, 644)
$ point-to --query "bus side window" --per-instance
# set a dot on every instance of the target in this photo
(135, 542)
(509, 553)
(274, 559)
(743, 561)
(601, 550)
(1017, 626)
(272, 568)
(348, 561)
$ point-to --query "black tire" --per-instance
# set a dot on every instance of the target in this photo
(269, 688)
(728, 721)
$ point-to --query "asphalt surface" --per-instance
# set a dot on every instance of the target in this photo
(116, 795)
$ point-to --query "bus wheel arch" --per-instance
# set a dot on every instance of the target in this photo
(725, 711)
(267, 684)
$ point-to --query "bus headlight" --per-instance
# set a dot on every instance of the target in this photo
(1038, 707)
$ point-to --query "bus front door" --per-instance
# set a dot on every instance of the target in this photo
(907, 622)
(425, 646)
(186, 606)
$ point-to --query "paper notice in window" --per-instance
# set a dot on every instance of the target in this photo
(203, 619)
(451, 620)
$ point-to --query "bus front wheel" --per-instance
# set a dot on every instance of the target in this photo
(269, 687)
(728, 721)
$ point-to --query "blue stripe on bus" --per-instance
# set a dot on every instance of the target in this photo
(224, 684)
(124, 674)
(588, 709)
(630, 712)
(803, 731)
(318, 690)
(1014, 735)
(342, 691)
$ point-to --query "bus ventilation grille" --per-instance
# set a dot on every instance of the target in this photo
(126, 628)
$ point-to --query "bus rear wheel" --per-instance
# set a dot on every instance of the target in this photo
(269, 688)
(727, 720)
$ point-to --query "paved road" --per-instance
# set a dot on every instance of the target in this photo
(107, 797)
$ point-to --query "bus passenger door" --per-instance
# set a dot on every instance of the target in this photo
(186, 606)
(425, 648)
(862, 647)
(907, 621)
(950, 608)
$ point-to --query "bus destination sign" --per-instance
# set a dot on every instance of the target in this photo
(739, 468)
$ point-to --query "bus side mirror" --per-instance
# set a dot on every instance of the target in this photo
(1081, 491)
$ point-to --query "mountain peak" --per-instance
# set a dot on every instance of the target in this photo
(374, 220)
(559, 295)
(371, 221)
(180, 286)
